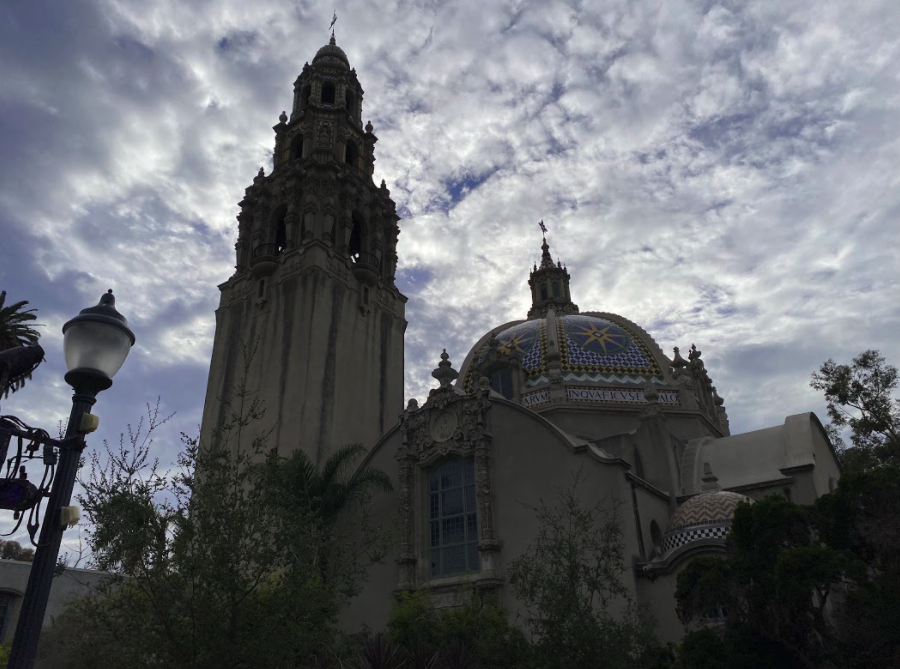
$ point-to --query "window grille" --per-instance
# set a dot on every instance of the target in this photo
(452, 519)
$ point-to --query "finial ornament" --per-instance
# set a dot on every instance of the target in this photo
(677, 361)
(283, 117)
(261, 173)
(445, 374)
(694, 354)
(333, 21)
(543, 228)
(369, 126)
(718, 401)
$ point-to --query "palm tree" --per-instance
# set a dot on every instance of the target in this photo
(16, 330)
(329, 491)
(298, 485)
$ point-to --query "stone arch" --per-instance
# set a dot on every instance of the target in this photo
(350, 101)
(356, 246)
(328, 93)
(278, 227)
(297, 146)
(305, 95)
(351, 153)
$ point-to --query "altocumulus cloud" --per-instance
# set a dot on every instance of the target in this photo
(721, 173)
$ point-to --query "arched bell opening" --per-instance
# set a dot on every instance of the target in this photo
(354, 248)
(328, 93)
(280, 219)
(304, 96)
(350, 101)
(297, 147)
(351, 154)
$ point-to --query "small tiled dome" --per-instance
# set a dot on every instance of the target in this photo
(331, 54)
(704, 516)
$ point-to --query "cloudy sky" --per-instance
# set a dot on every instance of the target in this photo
(724, 174)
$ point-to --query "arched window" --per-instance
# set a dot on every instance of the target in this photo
(297, 147)
(656, 536)
(452, 519)
(543, 291)
(350, 99)
(304, 96)
(501, 382)
(351, 154)
(555, 289)
(355, 246)
(280, 230)
(328, 93)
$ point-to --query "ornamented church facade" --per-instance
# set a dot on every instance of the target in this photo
(534, 402)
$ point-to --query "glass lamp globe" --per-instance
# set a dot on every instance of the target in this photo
(97, 340)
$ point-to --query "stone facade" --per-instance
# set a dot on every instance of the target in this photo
(535, 400)
(313, 302)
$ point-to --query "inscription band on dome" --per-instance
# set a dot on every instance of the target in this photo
(601, 395)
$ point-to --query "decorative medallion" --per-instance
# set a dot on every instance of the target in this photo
(443, 425)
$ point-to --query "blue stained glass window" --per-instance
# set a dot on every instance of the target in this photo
(453, 520)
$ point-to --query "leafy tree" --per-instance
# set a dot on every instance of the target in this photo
(13, 550)
(859, 398)
(16, 329)
(478, 628)
(774, 585)
(802, 586)
(569, 580)
(208, 566)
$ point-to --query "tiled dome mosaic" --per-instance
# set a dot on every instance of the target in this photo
(704, 516)
(592, 350)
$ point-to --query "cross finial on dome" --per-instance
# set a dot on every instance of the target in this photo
(549, 283)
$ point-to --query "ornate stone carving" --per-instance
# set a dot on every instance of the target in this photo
(324, 134)
(239, 292)
(385, 297)
(337, 267)
(443, 425)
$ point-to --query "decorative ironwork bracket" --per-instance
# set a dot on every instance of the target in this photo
(17, 493)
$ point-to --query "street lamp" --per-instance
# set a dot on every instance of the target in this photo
(96, 343)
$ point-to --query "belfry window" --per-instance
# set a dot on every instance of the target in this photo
(328, 93)
(355, 246)
(304, 96)
(280, 231)
(452, 519)
(543, 291)
(555, 289)
(501, 382)
(350, 99)
(351, 154)
(297, 147)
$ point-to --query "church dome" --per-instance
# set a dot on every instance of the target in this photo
(704, 516)
(594, 349)
(331, 54)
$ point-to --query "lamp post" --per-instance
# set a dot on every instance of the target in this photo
(96, 343)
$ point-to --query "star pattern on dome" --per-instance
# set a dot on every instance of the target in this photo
(609, 338)
(515, 343)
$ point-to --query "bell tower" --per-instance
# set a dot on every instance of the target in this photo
(313, 294)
